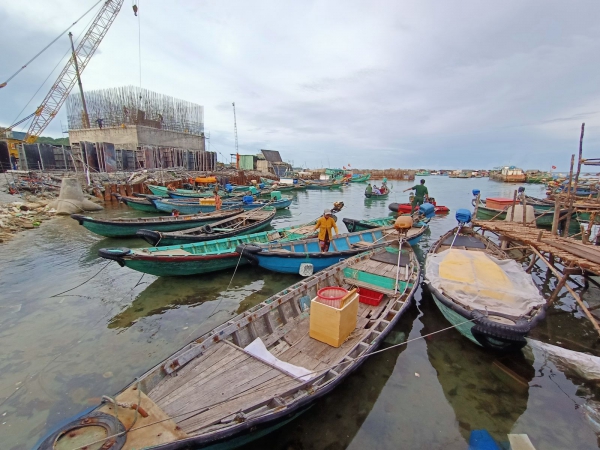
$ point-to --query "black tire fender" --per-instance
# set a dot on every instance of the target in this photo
(249, 252)
(79, 218)
(114, 254)
(150, 236)
(97, 419)
(513, 332)
(207, 229)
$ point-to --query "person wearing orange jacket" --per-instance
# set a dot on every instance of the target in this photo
(325, 225)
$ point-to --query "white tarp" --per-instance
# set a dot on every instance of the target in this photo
(583, 365)
(257, 349)
(478, 280)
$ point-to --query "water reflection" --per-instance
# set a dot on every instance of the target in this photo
(485, 390)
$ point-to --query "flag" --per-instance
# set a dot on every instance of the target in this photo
(553, 167)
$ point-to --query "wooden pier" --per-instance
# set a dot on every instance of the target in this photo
(564, 256)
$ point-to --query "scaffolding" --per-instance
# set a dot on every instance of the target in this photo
(130, 105)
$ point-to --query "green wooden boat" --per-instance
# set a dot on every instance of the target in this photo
(373, 196)
(138, 203)
(129, 227)
(201, 257)
(423, 173)
(360, 178)
(543, 218)
(163, 191)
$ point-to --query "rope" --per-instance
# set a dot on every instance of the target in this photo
(48, 46)
(79, 285)
(204, 408)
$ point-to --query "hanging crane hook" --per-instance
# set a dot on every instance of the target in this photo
(135, 8)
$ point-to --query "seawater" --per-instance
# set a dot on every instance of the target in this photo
(62, 351)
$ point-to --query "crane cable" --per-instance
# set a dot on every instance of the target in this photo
(136, 6)
(50, 74)
(47, 46)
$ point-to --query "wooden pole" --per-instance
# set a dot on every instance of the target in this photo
(525, 210)
(572, 292)
(570, 198)
(556, 214)
(512, 212)
(476, 205)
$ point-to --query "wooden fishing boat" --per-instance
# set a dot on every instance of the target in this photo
(314, 185)
(198, 258)
(196, 194)
(257, 371)
(405, 208)
(163, 191)
(414, 235)
(244, 223)
(293, 257)
(194, 207)
(129, 227)
(360, 178)
(374, 196)
(138, 203)
(543, 218)
(472, 280)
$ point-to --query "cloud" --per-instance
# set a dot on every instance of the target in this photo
(377, 84)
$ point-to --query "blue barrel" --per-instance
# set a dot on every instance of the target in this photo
(463, 215)
(428, 210)
(476, 192)
(247, 199)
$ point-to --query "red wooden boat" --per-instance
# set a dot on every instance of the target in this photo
(404, 208)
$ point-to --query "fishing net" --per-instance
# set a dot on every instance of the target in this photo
(477, 280)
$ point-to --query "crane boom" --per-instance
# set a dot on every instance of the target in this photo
(68, 77)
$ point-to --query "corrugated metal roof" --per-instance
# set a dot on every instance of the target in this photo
(272, 156)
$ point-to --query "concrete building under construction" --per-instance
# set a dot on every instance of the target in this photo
(130, 128)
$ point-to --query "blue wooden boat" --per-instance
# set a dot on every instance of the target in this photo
(196, 194)
(191, 207)
(477, 287)
(255, 372)
(414, 234)
(290, 257)
(244, 223)
(130, 226)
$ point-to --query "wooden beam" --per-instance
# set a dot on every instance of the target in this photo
(573, 293)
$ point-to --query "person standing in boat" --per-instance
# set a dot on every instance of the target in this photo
(218, 201)
(325, 225)
(421, 194)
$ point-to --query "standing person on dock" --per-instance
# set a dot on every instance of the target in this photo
(324, 225)
(421, 194)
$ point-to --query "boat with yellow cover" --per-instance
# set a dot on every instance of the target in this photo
(489, 297)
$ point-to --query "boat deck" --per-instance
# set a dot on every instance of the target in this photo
(209, 392)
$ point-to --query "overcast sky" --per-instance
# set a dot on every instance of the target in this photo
(373, 84)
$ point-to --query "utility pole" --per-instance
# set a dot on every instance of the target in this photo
(86, 118)
(235, 129)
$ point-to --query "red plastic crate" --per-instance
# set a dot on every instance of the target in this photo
(369, 297)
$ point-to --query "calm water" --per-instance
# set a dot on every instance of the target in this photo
(61, 353)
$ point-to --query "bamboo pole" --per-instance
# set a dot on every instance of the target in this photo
(525, 210)
(556, 214)
(512, 212)
(571, 291)
(570, 197)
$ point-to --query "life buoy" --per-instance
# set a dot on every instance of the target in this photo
(95, 419)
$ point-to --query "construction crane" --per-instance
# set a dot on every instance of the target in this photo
(61, 88)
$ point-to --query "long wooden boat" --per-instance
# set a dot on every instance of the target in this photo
(137, 203)
(198, 258)
(129, 227)
(257, 371)
(196, 194)
(315, 185)
(163, 191)
(474, 280)
(414, 235)
(360, 178)
(245, 223)
(405, 208)
(191, 207)
(289, 257)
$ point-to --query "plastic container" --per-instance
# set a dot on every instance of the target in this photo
(207, 201)
(369, 297)
(331, 296)
(276, 195)
(428, 210)
(247, 199)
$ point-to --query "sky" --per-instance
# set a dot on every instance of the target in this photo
(374, 84)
